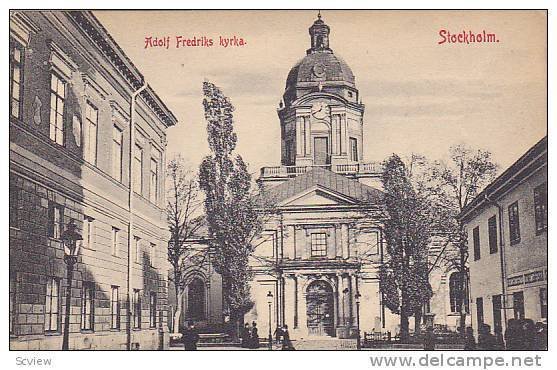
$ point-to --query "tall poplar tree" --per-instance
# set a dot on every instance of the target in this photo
(230, 206)
(404, 279)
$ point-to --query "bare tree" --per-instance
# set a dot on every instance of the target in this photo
(455, 184)
(184, 220)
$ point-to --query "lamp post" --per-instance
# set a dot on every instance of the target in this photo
(270, 302)
(358, 337)
(71, 240)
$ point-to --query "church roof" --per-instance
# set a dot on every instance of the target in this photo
(328, 180)
(335, 69)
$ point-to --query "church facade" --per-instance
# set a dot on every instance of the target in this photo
(316, 265)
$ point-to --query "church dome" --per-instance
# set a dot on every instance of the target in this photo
(319, 69)
(320, 66)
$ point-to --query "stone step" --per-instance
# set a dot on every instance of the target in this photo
(325, 344)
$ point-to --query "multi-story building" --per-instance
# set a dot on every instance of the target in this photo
(87, 143)
(507, 237)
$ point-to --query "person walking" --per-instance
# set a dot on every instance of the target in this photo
(429, 339)
(470, 341)
(513, 336)
(245, 336)
(190, 337)
(286, 342)
(486, 340)
(254, 336)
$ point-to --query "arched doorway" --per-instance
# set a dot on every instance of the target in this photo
(320, 308)
(196, 300)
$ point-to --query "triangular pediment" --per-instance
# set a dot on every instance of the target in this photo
(318, 196)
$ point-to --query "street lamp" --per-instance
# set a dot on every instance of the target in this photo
(71, 240)
(270, 302)
(358, 337)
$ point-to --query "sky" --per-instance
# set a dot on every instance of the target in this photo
(420, 96)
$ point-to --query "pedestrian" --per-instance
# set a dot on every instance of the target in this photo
(486, 340)
(499, 342)
(254, 336)
(278, 334)
(470, 341)
(286, 342)
(529, 334)
(429, 339)
(245, 336)
(513, 336)
(190, 337)
(541, 336)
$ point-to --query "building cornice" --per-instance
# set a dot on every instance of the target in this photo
(534, 159)
(99, 36)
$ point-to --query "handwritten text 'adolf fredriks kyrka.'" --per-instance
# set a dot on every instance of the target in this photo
(178, 41)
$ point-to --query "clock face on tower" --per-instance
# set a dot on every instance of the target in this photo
(319, 110)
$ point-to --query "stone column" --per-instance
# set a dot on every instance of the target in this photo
(344, 236)
(302, 312)
(308, 151)
(344, 134)
(334, 136)
(338, 297)
(353, 290)
(288, 251)
(299, 137)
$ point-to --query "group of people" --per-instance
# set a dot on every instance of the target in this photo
(283, 336)
(250, 336)
(520, 335)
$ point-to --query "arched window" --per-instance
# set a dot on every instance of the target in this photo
(458, 292)
(196, 300)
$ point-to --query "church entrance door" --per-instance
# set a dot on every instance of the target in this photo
(320, 308)
(321, 151)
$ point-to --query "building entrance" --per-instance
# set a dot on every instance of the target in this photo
(320, 309)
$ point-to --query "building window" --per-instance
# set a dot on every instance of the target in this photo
(492, 233)
(114, 308)
(518, 305)
(480, 310)
(52, 306)
(318, 245)
(154, 178)
(353, 149)
(16, 78)
(16, 205)
(136, 309)
(57, 101)
(540, 207)
(138, 169)
(497, 326)
(117, 138)
(87, 306)
(514, 223)
(543, 302)
(476, 241)
(13, 302)
(115, 241)
(137, 248)
(153, 310)
(90, 133)
(89, 232)
(55, 220)
(458, 292)
(152, 253)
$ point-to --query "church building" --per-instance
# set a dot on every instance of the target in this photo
(316, 265)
